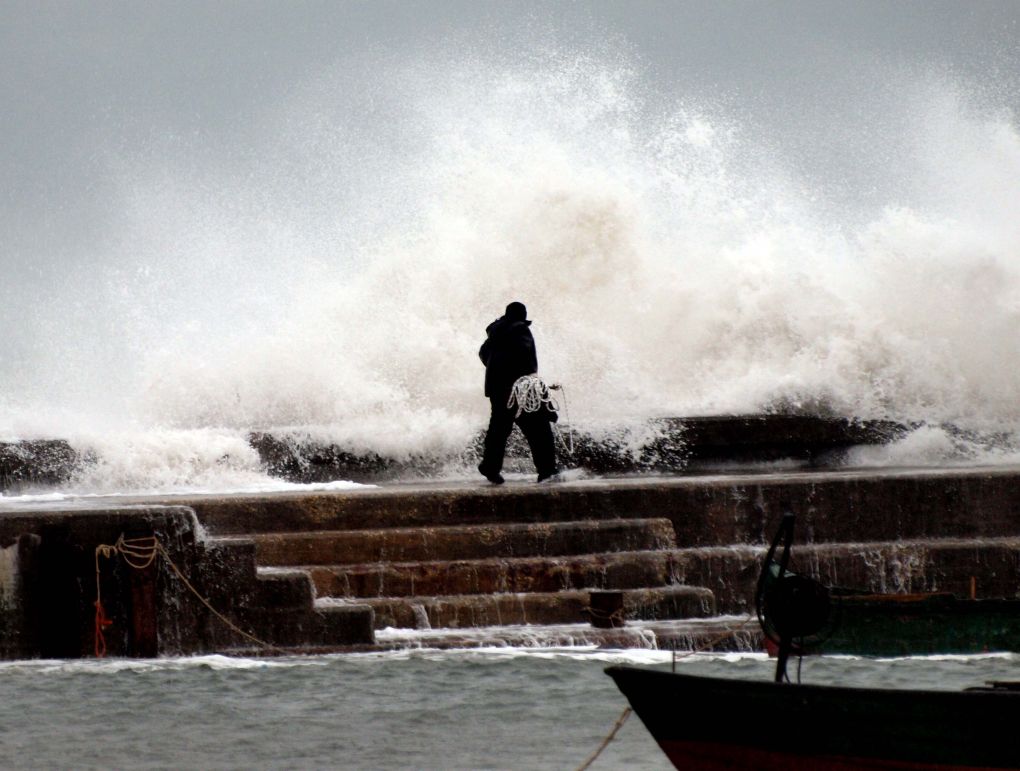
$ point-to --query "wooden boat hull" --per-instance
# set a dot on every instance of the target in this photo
(717, 723)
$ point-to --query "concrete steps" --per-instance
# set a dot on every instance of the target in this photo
(608, 570)
(469, 542)
(986, 568)
(421, 508)
(731, 572)
(832, 507)
(563, 607)
(276, 606)
(719, 633)
(983, 568)
(480, 575)
(462, 558)
(432, 555)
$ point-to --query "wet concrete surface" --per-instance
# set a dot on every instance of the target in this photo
(46, 499)
(463, 554)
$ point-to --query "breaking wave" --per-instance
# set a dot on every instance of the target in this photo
(336, 276)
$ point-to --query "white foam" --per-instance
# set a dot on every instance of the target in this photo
(939, 446)
(672, 266)
(220, 485)
(635, 656)
(33, 498)
(108, 666)
(957, 657)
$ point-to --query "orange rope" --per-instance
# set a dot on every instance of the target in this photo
(140, 553)
(101, 622)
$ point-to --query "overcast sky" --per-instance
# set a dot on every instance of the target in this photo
(91, 88)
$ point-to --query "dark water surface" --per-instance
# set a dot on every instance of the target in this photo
(418, 710)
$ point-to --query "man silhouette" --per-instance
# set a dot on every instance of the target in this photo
(508, 353)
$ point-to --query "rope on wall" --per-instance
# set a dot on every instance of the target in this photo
(140, 553)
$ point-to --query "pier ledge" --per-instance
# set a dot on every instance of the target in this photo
(313, 571)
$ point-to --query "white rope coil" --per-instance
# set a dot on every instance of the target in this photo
(530, 394)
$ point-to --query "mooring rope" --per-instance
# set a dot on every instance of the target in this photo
(566, 419)
(709, 643)
(609, 737)
(612, 616)
(139, 553)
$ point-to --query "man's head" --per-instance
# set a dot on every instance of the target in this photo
(516, 311)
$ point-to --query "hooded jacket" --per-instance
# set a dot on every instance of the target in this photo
(507, 353)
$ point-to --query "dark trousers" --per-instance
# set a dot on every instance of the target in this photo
(536, 428)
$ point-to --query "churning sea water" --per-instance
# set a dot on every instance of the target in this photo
(421, 709)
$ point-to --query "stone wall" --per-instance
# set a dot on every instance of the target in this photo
(48, 584)
(48, 589)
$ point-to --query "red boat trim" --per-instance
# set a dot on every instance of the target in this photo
(709, 756)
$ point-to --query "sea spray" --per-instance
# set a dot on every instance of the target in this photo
(336, 278)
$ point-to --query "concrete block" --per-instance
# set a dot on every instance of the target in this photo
(609, 570)
(474, 541)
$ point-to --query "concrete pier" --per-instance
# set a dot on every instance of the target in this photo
(317, 571)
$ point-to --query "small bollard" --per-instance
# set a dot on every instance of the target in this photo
(605, 610)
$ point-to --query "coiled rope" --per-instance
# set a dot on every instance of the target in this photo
(530, 394)
(139, 553)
